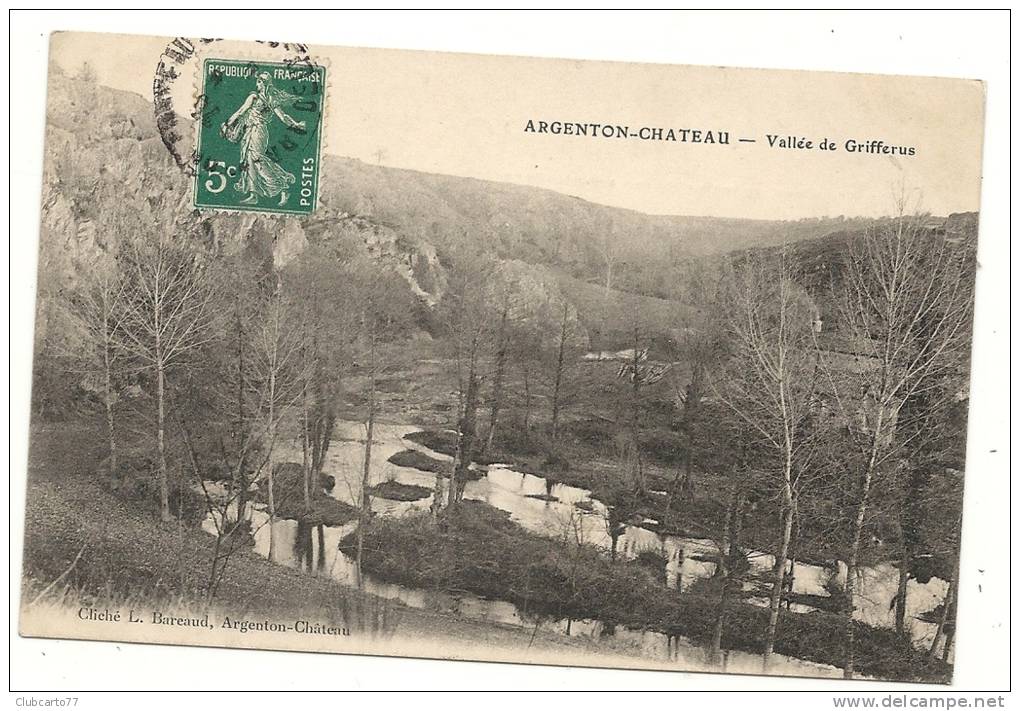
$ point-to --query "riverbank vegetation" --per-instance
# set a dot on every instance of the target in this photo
(806, 399)
(482, 552)
(87, 545)
(753, 435)
(100, 546)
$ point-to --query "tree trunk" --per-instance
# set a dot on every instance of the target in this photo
(497, 385)
(731, 536)
(109, 398)
(947, 604)
(527, 398)
(560, 353)
(306, 462)
(322, 434)
(303, 544)
(366, 498)
(111, 433)
(271, 495)
(635, 422)
(322, 547)
(778, 575)
(615, 526)
(274, 367)
(681, 556)
(680, 479)
(242, 474)
(164, 486)
(465, 442)
(901, 595)
(677, 490)
(436, 506)
(851, 572)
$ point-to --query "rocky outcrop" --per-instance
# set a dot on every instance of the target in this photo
(103, 150)
(414, 259)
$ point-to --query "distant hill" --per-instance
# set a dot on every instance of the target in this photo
(544, 227)
(522, 222)
(820, 262)
(619, 267)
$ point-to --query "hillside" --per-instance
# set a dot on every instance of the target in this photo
(544, 227)
(613, 264)
(820, 262)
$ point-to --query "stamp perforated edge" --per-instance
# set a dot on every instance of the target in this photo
(198, 122)
(239, 51)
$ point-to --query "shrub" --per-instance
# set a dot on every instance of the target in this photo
(478, 549)
(289, 497)
(663, 446)
(136, 480)
(417, 460)
(395, 491)
(442, 441)
(556, 462)
(594, 431)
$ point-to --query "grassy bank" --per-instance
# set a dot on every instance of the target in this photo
(396, 491)
(576, 463)
(129, 558)
(481, 551)
(127, 552)
(288, 490)
(583, 458)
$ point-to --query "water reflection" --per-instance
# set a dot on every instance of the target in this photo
(687, 560)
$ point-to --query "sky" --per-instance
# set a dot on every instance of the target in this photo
(465, 115)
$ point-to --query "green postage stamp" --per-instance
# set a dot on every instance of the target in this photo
(259, 140)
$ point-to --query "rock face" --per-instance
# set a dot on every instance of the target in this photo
(539, 300)
(962, 225)
(103, 154)
(414, 259)
(290, 242)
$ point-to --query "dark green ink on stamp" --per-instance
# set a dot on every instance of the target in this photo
(260, 136)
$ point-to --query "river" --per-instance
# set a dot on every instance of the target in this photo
(512, 491)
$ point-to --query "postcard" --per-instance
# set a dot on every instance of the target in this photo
(497, 358)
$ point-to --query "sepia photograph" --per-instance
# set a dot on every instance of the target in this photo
(491, 358)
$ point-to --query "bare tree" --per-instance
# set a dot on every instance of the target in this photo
(768, 382)
(701, 349)
(924, 498)
(98, 309)
(467, 424)
(365, 508)
(167, 317)
(380, 319)
(636, 416)
(220, 509)
(238, 389)
(527, 355)
(560, 368)
(502, 337)
(906, 307)
(727, 567)
(277, 376)
(565, 351)
(609, 247)
(468, 312)
(326, 328)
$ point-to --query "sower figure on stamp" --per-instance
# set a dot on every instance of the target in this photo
(249, 126)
